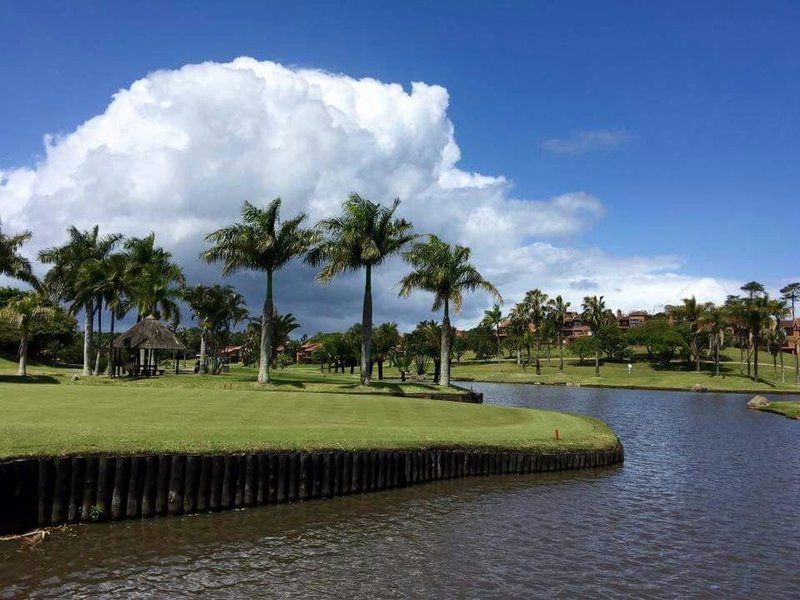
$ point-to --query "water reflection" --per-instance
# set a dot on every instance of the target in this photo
(704, 506)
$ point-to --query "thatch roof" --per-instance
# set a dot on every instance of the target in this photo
(149, 333)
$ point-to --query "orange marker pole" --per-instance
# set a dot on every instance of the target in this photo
(558, 436)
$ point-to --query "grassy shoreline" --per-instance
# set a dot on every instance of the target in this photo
(46, 420)
(790, 410)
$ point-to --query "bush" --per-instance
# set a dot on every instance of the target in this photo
(582, 347)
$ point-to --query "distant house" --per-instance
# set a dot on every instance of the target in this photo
(632, 319)
(305, 353)
(232, 353)
(792, 330)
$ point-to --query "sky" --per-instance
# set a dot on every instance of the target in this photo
(645, 151)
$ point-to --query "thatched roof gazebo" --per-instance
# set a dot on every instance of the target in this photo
(145, 338)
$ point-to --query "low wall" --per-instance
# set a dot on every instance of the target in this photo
(52, 491)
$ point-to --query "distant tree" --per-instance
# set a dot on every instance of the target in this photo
(714, 322)
(481, 340)
(662, 340)
(362, 237)
(385, 338)
(22, 313)
(494, 318)
(612, 342)
(557, 310)
(595, 315)
(459, 347)
(753, 289)
(216, 308)
(535, 303)
(691, 312)
(582, 347)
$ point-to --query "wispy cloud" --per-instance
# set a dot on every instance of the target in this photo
(580, 142)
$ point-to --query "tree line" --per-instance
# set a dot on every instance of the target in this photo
(96, 273)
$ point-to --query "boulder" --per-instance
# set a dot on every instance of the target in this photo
(75, 377)
(757, 402)
(699, 388)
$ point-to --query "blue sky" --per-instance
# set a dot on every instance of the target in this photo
(682, 119)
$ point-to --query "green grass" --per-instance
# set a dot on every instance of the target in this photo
(790, 410)
(306, 378)
(644, 375)
(57, 420)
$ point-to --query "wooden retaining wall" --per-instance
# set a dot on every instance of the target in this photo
(52, 491)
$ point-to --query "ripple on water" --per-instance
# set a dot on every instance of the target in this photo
(705, 506)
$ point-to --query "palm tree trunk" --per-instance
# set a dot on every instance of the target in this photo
(538, 350)
(755, 357)
(497, 335)
(22, 371)
(783, 372)
(88, 332)
(716, 357)
(266, 333)
(444, 378)
(597, 362)
(99, 338)
(110, 369)
(366, 327)
(519, 357)
(696, 344)
(203, 352)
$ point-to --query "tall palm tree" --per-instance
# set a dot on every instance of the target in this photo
(518, 328)
(757, 315)
(494, 318)
(595, 315)
(779, 310)
(714, 321)
(446, 272)
(363, 237)
(12, 263)
(535, 303)
(21, 312)
(791, 293)
(260, 242)
(557, 313)
(692, 312)
(66, 281)
(154, 279)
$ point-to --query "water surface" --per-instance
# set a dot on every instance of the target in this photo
(706, 505)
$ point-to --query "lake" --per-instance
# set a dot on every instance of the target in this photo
(706, 505)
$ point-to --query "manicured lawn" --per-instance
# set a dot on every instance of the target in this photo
(677, 376)
(307, 378)
(71, 419)
(787, 409)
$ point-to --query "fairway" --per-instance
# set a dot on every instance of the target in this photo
(50, 420)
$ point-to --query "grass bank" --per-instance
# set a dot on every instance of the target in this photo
(790, 410)
(57, 420)
(677, 376)
(297, 378)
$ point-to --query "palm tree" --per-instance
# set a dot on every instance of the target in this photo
(155, 280)
(494, 318)
(518, 327)
(779, 310)
(714, 321)
(791, 293)
(21, 312)
(446, 272)
(757, 315)
(260, 242)
(753, 289)
(692, 312)
(363, 237)
(557, 313)
(213, 307)
(385, 338)
(595, 315)
(535, 303)
(67, 282)
(12, 263)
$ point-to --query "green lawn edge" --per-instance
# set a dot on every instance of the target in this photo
(47, 421)
(790, 410)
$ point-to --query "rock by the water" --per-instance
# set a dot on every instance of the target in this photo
(699, 388)
(758, 402)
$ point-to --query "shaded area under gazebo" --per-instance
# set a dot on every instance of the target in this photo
(144, 339)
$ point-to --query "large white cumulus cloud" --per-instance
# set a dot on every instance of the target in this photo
(178, 152)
